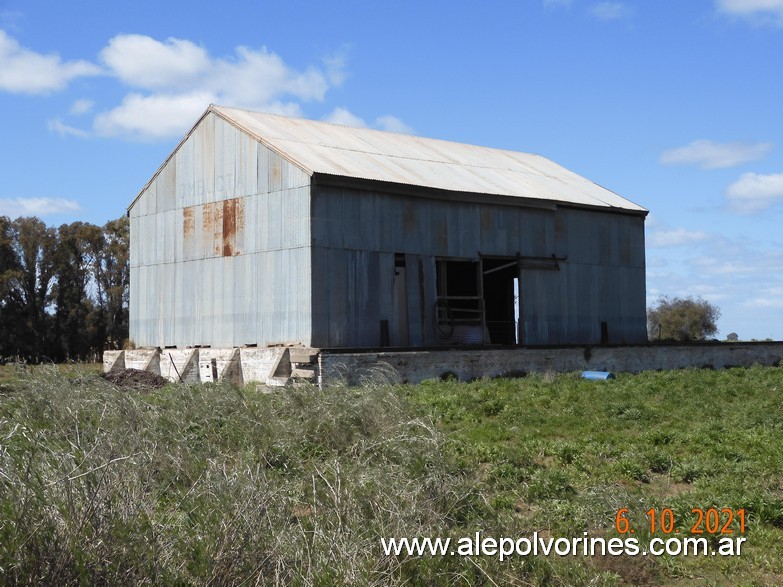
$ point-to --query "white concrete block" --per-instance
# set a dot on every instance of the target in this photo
(179, 365)
(143, 360)
(113, 361)
(258, 363)
(226, 364)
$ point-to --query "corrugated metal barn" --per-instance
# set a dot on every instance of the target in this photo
(265, 230)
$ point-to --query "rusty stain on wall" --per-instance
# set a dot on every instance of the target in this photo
(276, 173)
(229, 226)
(217, 226)
(207, 220)
(188, 228)
(221, 232)
(239, 240)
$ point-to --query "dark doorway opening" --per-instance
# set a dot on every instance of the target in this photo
(459, 308)
(500, 285)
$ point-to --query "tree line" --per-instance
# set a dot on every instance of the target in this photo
(63, 290)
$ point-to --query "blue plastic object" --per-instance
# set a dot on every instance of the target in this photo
(600, 375)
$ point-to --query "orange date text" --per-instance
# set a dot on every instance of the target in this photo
(703, 521)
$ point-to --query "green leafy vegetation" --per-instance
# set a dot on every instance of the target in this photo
(63, 291)
(210, 484)
(683, 319)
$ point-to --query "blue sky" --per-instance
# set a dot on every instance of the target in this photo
(674, 105)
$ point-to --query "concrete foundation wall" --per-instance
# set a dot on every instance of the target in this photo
(270, 366)
(273, 366)
(416, 366)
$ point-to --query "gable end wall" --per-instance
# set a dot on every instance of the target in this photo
(220, 246)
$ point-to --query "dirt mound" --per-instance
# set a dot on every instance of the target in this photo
(135, 379)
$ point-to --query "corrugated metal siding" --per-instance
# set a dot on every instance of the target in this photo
(220, 246)
(602, 279)
(356, 220)
(223, 253)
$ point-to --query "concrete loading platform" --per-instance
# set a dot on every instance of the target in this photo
(279, 366)
(275, 366)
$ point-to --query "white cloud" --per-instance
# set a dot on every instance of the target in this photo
(81, 107)
(393, 124)
(142, 62)
(345, 117)
(610, 10)
(766, 299)
(759, 11)
(26, 72)
(675, 237)
(253, 77)
(259, 77)
(176, 80)
(170, 83)
(388, 123)
(336, 65)
(753, 192)
(655, 262)
(744, 275)
(712, 155)
(710, 291)
(64, 130)
(726, 257)
(15, 207)
(711, 265)
(160, 116)
(153, 117)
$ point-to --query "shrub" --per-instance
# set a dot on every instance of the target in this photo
(682, 319)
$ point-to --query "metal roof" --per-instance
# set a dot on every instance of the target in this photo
(361, 153)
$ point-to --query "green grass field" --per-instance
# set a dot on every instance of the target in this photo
(218, 485)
